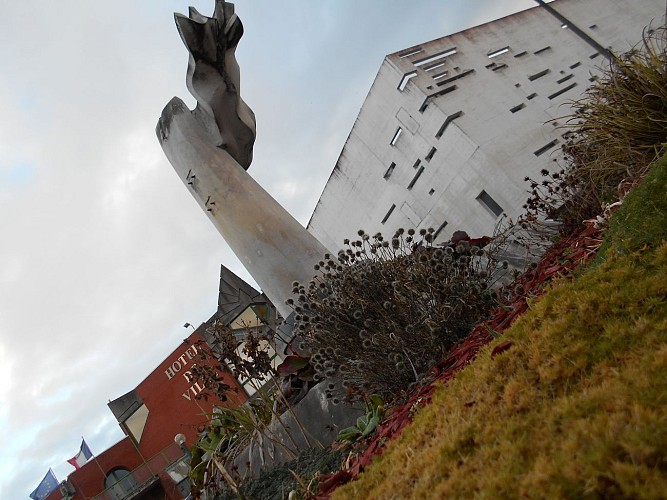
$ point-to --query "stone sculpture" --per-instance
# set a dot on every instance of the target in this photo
(210, 148)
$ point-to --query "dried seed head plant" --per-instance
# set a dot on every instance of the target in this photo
(381, 313)
(615, 131)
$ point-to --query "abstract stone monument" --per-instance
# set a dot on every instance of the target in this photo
(210, 148)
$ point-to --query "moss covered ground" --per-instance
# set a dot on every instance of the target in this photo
(577, 407)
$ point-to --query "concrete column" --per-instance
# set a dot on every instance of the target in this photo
(272, 245)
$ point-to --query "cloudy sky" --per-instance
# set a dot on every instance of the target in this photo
(103, 252)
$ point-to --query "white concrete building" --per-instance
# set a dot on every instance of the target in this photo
(450, 128)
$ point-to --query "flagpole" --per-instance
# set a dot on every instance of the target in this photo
(95, 458)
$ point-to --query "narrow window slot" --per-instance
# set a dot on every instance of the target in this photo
(546, 148)
(390, 170)
(440, 75)
(430, 154)
(406, 78)
(431, 191)
(485, 199)
(531, 96)
(436, 94)
(397, 134)
(593, 56)
(386, 217)
(563, 90)
(521, 54)
(416, 177)
(439, 230)
(593, 26)
(499, 67)
(565, 78)
(455, 77)
(534, 77)
(517, 108)
(575, 65)
(564, 26)
(548, 47)
(434, 57)
(431, 67)
(446, 123)
(410, 52)
(417, 163)
(496, 53)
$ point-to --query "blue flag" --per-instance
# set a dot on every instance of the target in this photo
(48, 485)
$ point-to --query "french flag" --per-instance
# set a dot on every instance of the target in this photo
(82, 457)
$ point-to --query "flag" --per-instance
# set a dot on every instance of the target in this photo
(82, 457)
(48, 485)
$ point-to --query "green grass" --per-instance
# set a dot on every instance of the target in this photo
(643, 219)
(577, 407)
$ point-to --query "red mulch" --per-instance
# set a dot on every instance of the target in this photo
(560, 260)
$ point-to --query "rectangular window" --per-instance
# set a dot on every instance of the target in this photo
(431, 191)
(521, 54)
(437, 76)
(390, 170)
(434, 57)
(539, 75)
(485, 199)
(417, 163)
(406, 78)
(499, 67)
(563, 90)
(397, 134)
(386, 217)
(531, 96)
(542, 50)
(416, 177)
(593, 56)
(518, 108)
(496, 53)
(546, 148)
(575, 65)
(430, 154)
(446, 123)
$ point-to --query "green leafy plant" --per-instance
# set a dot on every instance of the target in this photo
(367, 423)
(297, 377)
(232, 430)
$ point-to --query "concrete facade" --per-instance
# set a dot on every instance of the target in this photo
(451, 127)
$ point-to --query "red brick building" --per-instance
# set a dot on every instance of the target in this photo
(147, 463)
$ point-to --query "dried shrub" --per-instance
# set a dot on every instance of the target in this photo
(383, 312)
(616, 129)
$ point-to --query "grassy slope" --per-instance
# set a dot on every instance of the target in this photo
(577, 407)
